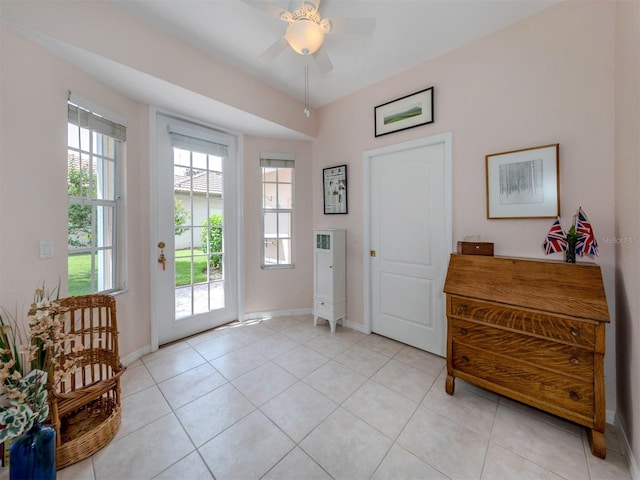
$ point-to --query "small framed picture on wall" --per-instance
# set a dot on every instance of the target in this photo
(335, 189)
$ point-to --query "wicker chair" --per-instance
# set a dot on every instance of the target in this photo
(85, 409)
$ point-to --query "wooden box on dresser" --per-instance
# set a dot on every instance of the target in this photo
(531, 330)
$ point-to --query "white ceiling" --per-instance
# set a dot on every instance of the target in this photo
(407, 33)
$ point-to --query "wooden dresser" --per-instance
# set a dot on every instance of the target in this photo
(531, 330)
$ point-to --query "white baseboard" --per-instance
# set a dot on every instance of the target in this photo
(358, 327)
(628, 453)
(133, 356)
(275, 313)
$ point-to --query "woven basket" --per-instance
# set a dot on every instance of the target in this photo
(85, 409)
(87, 431)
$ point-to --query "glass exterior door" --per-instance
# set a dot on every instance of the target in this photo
(196, 219)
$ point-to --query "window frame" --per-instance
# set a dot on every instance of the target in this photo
(98, 125)
(277, 161)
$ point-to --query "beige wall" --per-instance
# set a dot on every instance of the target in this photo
(33, 203)
(627, 218)
(548, 79)
(269, 290)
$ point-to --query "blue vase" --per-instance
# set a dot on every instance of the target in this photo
(33, 455)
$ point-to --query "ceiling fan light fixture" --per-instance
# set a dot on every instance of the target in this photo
(304, 36)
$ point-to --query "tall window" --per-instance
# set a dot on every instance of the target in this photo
(95, 148)
(277, 210)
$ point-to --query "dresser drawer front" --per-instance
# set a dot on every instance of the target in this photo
(323, 309)
(540, 386)
(557, 356)
(540, 324)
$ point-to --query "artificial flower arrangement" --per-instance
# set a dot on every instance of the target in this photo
(31, 363)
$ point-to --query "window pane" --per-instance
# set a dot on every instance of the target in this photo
(85, 135)
(183, 242)
(284, 251)
(182, 157)
(73, 160)
(285, 192)
(270, 252)
(285, 175)
(79, 265)
(199, 181)
(201, 299)
(182, 267)
(216, 271)
(104, 226)
(72, 136)
(270, 225)
(269, 197)
(104, 145)
(79, 231)
(182, 222)
(104, 271)
(78, 180)
(199, 160)
(215, 163)
(216, 187)
(215, 208)
(284, 225)
(269, 174)
(200, 268)
(105, 181)
(183, 301)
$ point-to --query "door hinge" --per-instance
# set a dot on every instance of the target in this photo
(372, 253)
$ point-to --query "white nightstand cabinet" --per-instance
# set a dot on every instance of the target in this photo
(329, 279)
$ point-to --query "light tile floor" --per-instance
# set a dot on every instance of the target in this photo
(281, 399)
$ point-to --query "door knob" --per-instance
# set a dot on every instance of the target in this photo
(161, 258)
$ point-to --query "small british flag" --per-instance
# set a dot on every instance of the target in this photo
(556, 239)
(586, 244)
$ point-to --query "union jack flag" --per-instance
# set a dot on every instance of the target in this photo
(556, 239)
(587, 242)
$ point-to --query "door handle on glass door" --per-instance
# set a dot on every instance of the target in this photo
(161, 258)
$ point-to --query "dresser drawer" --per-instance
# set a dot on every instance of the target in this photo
(563, 358)
(536, 323)
(540, 387)
(323, 309)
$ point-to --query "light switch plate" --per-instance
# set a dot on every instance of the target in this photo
(46, 249)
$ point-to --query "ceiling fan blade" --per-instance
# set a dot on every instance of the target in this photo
(274, 50)
(269, 8)
(322, 60)
(360, 26)
(310, 5)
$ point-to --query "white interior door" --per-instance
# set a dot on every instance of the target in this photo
(410, 232)
(196, 219)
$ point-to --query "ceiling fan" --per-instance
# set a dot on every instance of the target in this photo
(306, 30)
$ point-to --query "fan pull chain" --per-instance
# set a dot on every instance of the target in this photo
(306, 91)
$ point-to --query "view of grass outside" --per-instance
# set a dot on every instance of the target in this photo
(80, 268)
(183, 267)
(79, 274)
